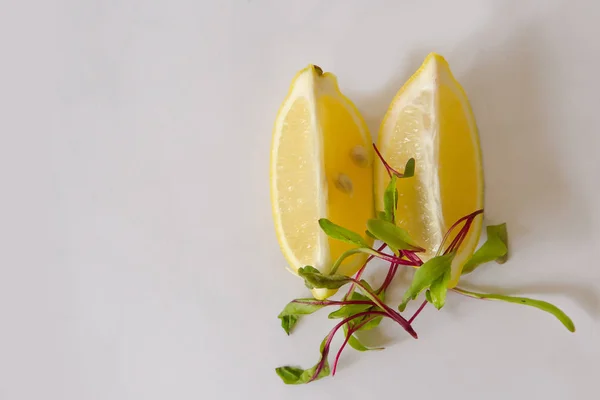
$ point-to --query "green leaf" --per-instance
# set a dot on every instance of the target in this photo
(308, 269)
(428, 296)
(351, 309)
(425, 276)
(495, 248)
(302, 307)
(340, 233)
(390, 201)
(288, 322)
(542, 305)
(292, 311)
(436, 294)
(409, 169)
(367, 286)
(346, 311)
(295, 376)
(369, 234)
(393, 235)
(313, 278)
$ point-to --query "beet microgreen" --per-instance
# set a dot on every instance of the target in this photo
(365, 310)
(294, 375)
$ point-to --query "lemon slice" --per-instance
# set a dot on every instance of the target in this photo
(321, 167)
(431, 120)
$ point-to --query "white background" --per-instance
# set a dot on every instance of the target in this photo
(137, 254)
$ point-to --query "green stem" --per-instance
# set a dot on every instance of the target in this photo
(542, 305)
(347, 254)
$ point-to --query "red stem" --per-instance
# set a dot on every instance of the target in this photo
(393, 314)
(389, 277)
(387, 166)
(332, 334)
(413, 257)
(417, 312)
(396, 260)
(466, 217)
(351, 332)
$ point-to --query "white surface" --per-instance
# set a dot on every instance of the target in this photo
(138, 259)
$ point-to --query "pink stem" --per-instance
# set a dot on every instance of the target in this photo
(396, 260)
(393, 314)
(413, 257)
(389, 169)
(466, 217)
(332, 334)
(460, 237)
(348, 335)
(389, 277)
(417, 312)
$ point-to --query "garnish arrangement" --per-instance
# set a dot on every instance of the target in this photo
(424, 178)
(363, 307)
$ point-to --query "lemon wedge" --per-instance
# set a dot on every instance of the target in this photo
(321, 167)
(430, 119)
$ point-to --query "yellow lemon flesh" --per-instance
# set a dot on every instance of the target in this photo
(321, 167)
(430, 119)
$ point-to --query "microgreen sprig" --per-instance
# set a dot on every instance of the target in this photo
(366, 308)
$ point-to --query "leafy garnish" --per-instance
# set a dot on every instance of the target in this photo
(542, 305)
(345, 235)
(395, 237)
(425, 276)
(494, 249)
(295, 375)
(365, 310)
